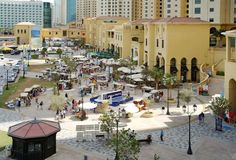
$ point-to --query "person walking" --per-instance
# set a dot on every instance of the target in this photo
(41, 105)
(66, 95)
(162, 135)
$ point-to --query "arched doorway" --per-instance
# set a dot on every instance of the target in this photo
(157, 62)
(194, 70)
(173, 68)
(232, 95)
(212, 30)
(163, 64)
(184, 70)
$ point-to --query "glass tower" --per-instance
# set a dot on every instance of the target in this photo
(47, 15)
(71, 11)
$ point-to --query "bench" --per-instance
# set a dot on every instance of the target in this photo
(89, 132)
(148, 140)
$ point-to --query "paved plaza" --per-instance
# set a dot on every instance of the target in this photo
(175, 130)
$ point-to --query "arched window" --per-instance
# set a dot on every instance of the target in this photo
(173, 68)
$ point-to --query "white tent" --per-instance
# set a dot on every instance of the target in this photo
(88, 105)
(130, 108)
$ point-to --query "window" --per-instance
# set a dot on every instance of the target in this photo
(234, 20)
(234, 1)
(163, 44)
(211, 0)
(211, 9)
(234, 10)
(197, 10)
(157, 43)
(211, 19)
(197, 1)
(146, 41)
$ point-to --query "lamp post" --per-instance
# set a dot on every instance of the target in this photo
(117, 120)
(28, 56)
(189, 151)
(5, 67)
(178, 96)
(82, 96)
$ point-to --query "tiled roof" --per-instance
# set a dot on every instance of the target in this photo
(141, 21)
(110, 18)
(179, 20)
(34, 129)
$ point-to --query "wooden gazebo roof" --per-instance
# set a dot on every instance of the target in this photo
(34, 129)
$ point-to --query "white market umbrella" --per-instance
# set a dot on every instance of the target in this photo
(88, 105)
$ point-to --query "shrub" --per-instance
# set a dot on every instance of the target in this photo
(35, 56)
(220, 73)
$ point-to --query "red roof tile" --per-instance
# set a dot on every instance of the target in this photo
(34, 129)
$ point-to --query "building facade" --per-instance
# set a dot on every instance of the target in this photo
(176, 8)
(13, 12)
(170, 46)
(70, 11)
(230, 67)
(97, 28)
(120, 8)
(214, 11)
(85, 9)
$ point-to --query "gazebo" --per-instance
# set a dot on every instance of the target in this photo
(34, 139)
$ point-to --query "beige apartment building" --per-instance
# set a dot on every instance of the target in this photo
(230, 67)
(85, 9)
(177, 45)
(97, 28)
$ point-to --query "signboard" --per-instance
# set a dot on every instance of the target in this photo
(35, 37)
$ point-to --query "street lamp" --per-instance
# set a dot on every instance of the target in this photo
(5, 68)
(82, 96)
(178, 96)
(117, 120)
(28, 56)
(189, 124)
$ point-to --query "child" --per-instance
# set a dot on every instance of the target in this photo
(162, 135)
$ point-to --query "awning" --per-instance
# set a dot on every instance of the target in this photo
(23, 94)
(28, 90)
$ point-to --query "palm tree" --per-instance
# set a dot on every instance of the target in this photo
(59, 52)
(169, 80)
(157, 75)
(219, 36)
(219, 106)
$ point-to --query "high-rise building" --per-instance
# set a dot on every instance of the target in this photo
(214, 11)
(70, 11)
(85, 9)
(121, 8)
(176, 8)
(63, 11)
(57, 13)
(152, 9)
(15, 11)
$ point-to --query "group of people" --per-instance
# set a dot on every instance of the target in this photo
(61, 114)
(39, 104)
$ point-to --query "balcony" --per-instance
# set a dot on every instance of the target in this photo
(232, 55)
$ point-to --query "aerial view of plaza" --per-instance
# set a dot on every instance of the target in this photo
(118, 79)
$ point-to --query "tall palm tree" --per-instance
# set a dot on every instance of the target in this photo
(169, 80)
(219, 106)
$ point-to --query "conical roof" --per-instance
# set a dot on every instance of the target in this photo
(34, 129)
